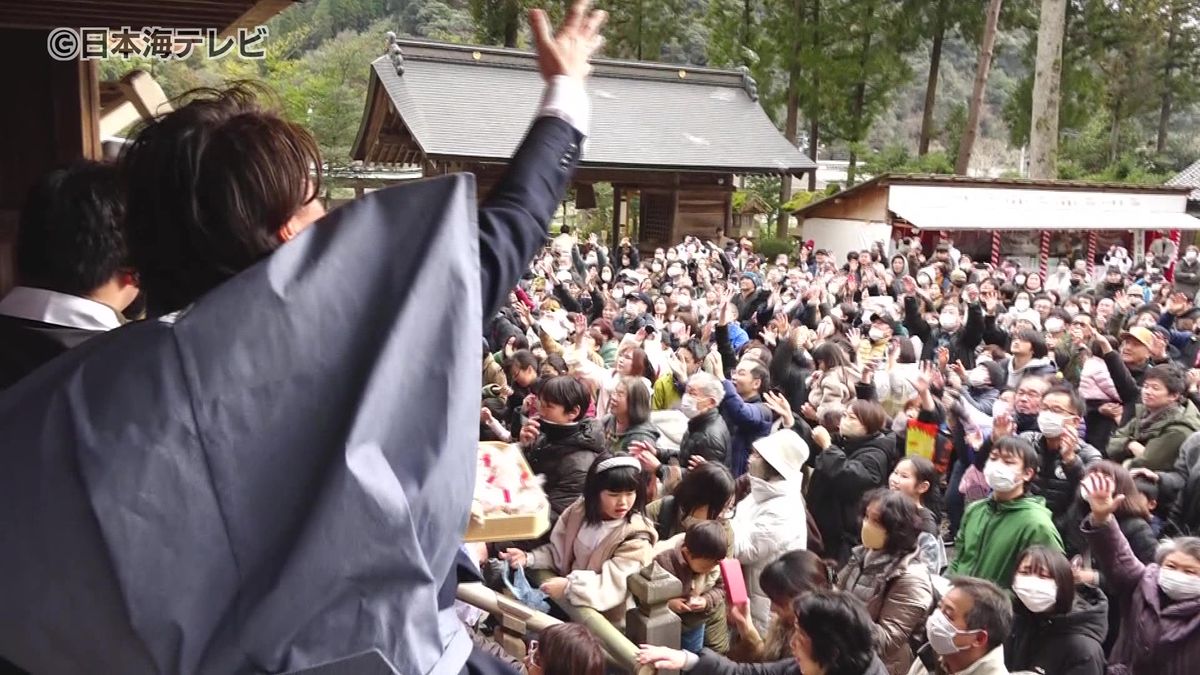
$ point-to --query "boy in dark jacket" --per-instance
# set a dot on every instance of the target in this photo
(560, 444)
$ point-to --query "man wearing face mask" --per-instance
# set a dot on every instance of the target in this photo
(707, 434)
(634, 316)
(1187, 273)
(995, 530)
(951, 332)
(879, 338)
(1064, 456)
(967, 631)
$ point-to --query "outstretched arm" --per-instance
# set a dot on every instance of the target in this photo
(514, 217)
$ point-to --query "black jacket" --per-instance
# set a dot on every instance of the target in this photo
(563, 455)
(27, 345)
(844, 473)
(1063, 644)
(961, 343)
(1059, 484)
(712, 663)
(707, 436)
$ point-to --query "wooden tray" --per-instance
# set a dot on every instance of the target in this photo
(509, 527)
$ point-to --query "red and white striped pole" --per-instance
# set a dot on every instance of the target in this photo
(996, 248)
(1091, 252)
(1176, 235)
(1044, 254)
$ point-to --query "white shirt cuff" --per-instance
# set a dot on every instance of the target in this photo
(566, 99)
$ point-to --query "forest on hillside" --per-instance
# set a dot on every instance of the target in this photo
(858, 75)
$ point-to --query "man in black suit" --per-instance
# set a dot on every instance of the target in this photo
(72, 263)
(284, 479)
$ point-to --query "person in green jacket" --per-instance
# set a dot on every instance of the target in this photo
(1160, 425)
(995, 530)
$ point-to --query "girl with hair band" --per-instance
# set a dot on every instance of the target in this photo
(598, 541)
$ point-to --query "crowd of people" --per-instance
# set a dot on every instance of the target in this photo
(922, 463)
(969, 467)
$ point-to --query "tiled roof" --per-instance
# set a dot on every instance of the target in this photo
(1189, 177)
(474, 102)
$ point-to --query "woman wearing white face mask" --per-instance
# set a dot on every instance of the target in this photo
(1058, 627)
(1160, 603)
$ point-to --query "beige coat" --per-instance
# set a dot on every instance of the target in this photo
(836, 387)
(600, 581)
(898, 594)
(990, 664)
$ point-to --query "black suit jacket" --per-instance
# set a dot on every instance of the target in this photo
(513, 223)
(514, 217)
(25, 345)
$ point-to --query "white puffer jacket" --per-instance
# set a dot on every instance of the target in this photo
(768, 523)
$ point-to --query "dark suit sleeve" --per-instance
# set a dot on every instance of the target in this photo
(1126, 386)
(514, 217)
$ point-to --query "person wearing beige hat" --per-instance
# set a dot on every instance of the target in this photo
(770, 520)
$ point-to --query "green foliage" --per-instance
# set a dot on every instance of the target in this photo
(497, 22)
(642, 29)
(898, 159)
(801, 199)
(767, 189)
(599, 219)
(769, 248)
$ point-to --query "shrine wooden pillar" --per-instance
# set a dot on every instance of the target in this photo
(53, 119)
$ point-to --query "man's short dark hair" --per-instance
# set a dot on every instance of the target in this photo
(1171, 377)
(209, 186)
(707, 540)
(71, 237)
(1016, 446)
(991, 609)
(1063, 389)
(568, 392)
(759, 372)
(1037, 343)
(522, 359)
(839, 627)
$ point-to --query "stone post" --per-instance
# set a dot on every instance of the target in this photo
(650, 622)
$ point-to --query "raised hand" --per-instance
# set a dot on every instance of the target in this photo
(972, 293)
(779, 405)
(1069, 445)
(821, 437)
(646, 455)
(1098, 489)
(529, 432)
(569, 51)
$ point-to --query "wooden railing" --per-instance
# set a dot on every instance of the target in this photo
(517, 620)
